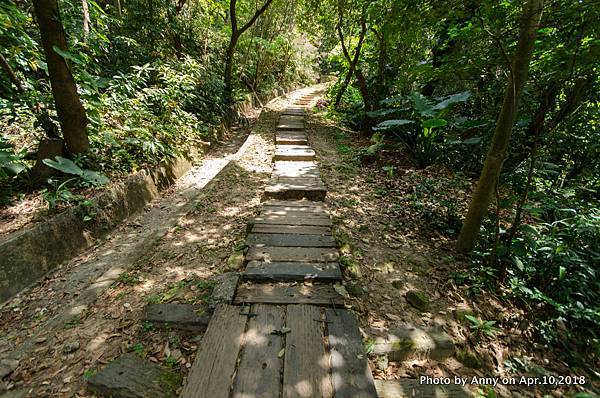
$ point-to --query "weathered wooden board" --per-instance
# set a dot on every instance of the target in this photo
(290, 229)
(295, 203)
(212, 373)
(177, 316)
(288, 240)
(282, 212)
(224, 289)
(259, 370)
(352, 377)
(296, 169)
(296, 183)
(293, 254)
(132, 376)
(310, 194)
(291, 126)
(306, 369)
(409, 388)
(414, 343)
(291, 140)
(292, 271)
(294, 153)
(291, 220)
(268, 293)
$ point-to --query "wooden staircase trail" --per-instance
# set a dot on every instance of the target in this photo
(286, 333)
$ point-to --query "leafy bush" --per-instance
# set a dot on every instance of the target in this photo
(423, 131)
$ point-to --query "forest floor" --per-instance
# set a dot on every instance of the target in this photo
(386, 218)
(87, 312)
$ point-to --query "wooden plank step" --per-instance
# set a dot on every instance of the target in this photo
(215, 364)
(269, 293)
(297, 182)
(291, 139)
(283, 168)
(292, 271)
(412, 342)
(260, 367)
(291, 220)
(409, 388)
(290, 229)
(307, 204)
(270, 213)
(281, 192)
(129, 376)
(290, 240)
(291, 126)
(294, 152)
(291, 118)
(352, 377)
(294, 211)
(291, 134)
(298, 254)
(306, 371)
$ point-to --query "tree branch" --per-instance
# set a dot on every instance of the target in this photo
(257, 14)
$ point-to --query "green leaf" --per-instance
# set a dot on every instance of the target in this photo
(460, 97)
(472, 141)
(63, 164)
(67, 55)
(341, 289)
(433, 123)
(562, 272)
(94, 177)
(392, 123)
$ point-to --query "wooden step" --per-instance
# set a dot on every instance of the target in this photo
(290, 351)
(291, 138)
(285, 211)
(259, 370)
(277, 293)
(283, 168)
(215, 364)
(300, 111)
(292, 271)
(306, 349)
(305, 205)
(294, 152)
(297, 191)
(291, 220)
(352, 377)
(290, 240)
(290, 254)
(290, 229)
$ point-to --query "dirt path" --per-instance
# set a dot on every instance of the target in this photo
(86, 312)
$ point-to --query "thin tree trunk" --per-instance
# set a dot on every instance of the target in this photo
(86, 20)
(71, 113)
(235, 35)
(11, 74)
(532, 13)
(117, 4)
(353, 62)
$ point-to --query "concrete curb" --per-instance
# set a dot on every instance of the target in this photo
(27, 255)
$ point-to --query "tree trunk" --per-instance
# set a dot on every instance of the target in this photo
(235, 35)
(86, 20)
(532, 13)
(229, 69)
(353, 62)
(70, 112)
